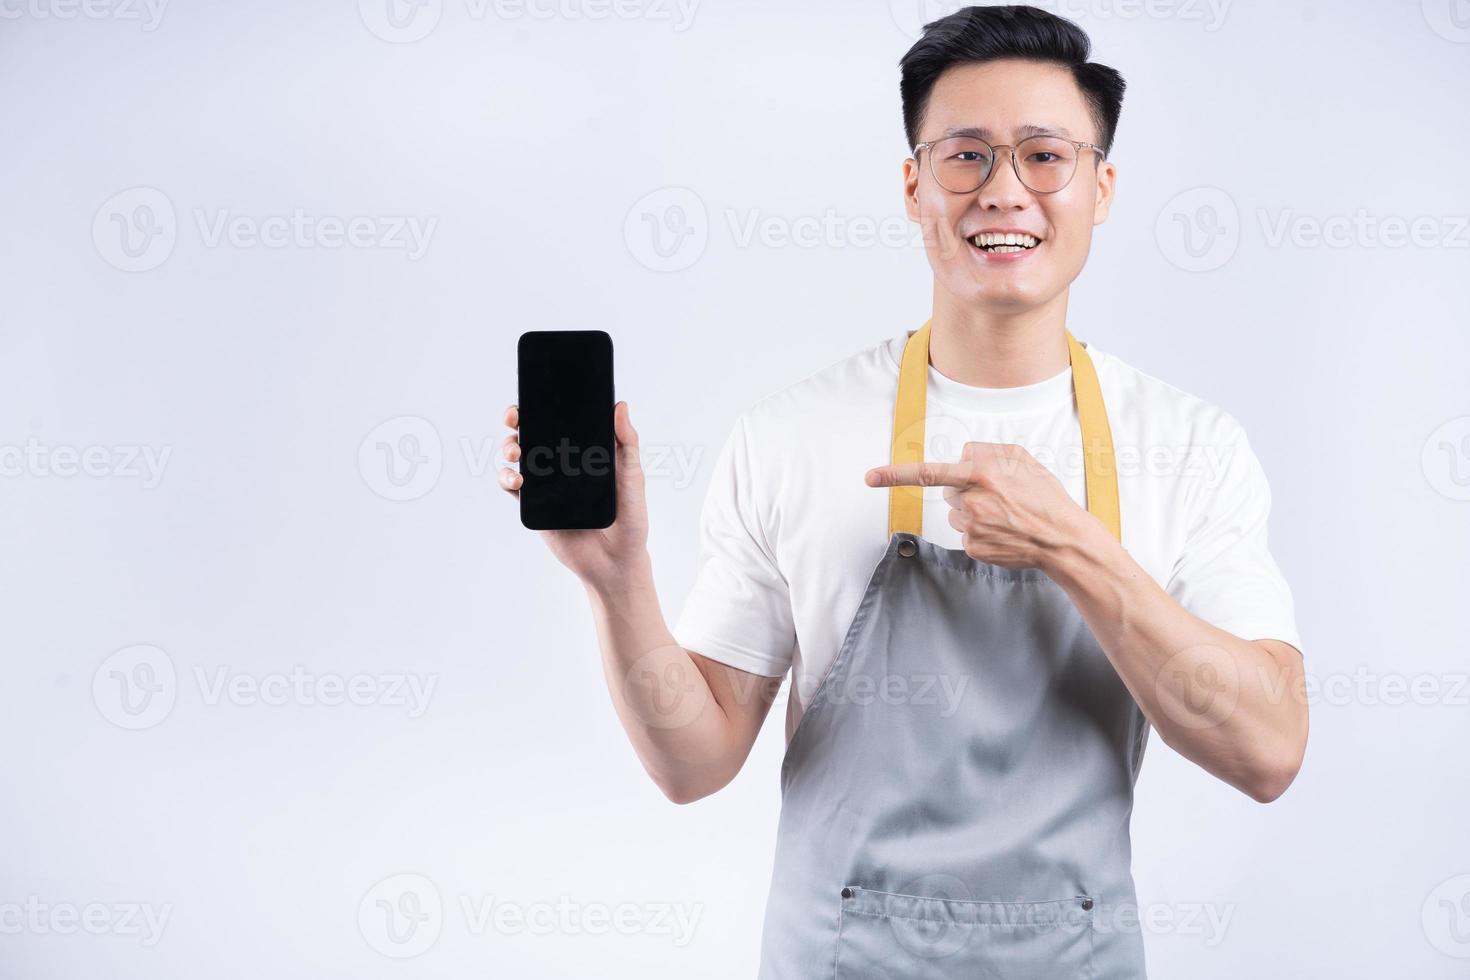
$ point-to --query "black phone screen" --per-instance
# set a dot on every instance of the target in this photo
(566, 402)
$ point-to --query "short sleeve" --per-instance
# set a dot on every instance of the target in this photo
(1226, 575)
(739, 610)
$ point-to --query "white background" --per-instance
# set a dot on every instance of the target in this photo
(524, 139)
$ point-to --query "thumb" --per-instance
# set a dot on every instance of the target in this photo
(630, 466)
(623, 428)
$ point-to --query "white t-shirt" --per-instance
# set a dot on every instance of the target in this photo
(790, 533)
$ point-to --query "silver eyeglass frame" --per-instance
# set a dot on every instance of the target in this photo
(1015, 164)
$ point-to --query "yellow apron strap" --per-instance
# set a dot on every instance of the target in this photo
(906, 504)
(1100, 465)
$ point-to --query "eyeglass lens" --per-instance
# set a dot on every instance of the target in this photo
(961, 164)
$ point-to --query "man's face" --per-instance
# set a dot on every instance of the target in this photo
(1003, 98)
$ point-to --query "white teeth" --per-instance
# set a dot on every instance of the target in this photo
(1004, 242)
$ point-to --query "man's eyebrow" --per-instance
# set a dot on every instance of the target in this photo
(981, 132)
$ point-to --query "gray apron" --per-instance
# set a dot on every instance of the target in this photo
(955, 800)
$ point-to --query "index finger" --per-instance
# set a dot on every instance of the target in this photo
(513, 416)
(921, 475)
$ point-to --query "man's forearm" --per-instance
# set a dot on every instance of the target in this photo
(1233, 706)
(676, 724)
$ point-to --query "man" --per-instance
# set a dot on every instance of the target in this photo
(971, 693)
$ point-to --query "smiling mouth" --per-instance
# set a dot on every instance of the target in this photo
(1000, 244)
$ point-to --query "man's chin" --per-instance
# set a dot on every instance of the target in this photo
(1004, 297)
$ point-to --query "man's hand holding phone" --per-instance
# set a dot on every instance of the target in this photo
(606, 558)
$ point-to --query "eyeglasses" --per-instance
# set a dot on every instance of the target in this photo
(963, 164)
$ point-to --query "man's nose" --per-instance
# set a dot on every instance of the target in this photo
(1004, 189)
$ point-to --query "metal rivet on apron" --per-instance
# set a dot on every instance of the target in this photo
(908, 549)
(1087, 905)
(847, 893)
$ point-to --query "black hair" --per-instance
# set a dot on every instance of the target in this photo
(979, 34)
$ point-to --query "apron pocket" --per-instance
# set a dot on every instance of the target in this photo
(888, 936)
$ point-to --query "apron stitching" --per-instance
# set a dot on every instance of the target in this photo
(837, 946)
(1020, 576)
(1000, 575)
(989, 925)
(974, 901)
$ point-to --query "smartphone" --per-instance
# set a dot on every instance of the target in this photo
(565, 382)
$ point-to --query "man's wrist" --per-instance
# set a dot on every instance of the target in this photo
(1086, 549)
(623, 579)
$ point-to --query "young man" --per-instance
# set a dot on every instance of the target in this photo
(972, 690)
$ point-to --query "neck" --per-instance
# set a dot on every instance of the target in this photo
(985, 349)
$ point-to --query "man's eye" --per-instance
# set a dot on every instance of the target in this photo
(969, 156)
(1051, 157)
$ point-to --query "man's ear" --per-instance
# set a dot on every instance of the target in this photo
(911, 188)
(1107, 180)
